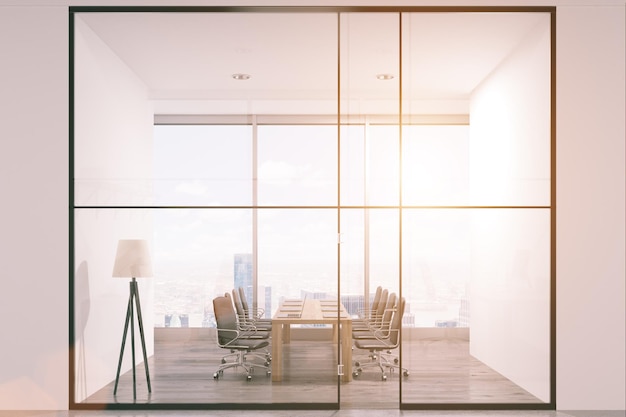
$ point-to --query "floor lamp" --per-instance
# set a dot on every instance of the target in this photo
(132, 261)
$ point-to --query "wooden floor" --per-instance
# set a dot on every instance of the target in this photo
(441, 371)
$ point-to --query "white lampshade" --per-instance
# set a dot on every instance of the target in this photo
(132, 259)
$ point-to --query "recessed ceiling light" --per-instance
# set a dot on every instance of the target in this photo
(241, 76)
(384, 76)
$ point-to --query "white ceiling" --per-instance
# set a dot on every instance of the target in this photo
(186, 59)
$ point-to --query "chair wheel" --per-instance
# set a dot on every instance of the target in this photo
(216, 375)
(357, 363)
(395, 360)
(406, 373)
(355, 374)
(384, 377)
(268, 373)
(249, 378)
(267, 363)
(223, 360)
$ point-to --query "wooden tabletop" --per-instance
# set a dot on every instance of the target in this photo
(310, 311)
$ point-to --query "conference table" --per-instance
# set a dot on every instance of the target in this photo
(311, 311)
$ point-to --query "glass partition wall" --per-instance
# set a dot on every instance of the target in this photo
(309, 158)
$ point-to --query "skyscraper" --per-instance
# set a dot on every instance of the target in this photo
(243, 274)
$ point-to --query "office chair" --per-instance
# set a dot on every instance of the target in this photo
(248, 330)
(375, 316)
(384, 343)
(254, 315)
(262, 330)
(366, 314)
(230, 337)
(383, 324)
(379, 328)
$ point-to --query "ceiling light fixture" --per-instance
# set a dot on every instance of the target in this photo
(241, 76)
(384, 77)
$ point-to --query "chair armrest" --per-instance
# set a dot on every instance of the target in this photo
(384, 336)
(256, 313)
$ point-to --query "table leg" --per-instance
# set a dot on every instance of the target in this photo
(277, 352)
(286, 333)
(346, 349)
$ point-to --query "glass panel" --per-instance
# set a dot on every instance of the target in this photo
(481, 64)
(353, 164)
(370, 102)
(297, 263)
(510, 296)
(297, 165)
(436, 266)
(369, 165)
(369, 252)
(194, 256)
(100, 303)
(208, 165)
(435, 165)
(478, 282)
(196, 253)
(369, 259)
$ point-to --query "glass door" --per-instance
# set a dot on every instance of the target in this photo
(370, 201)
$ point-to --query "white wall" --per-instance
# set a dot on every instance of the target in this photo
(113, 153)
(34, 167)
(510, 127)
(590, 208)
(34, 214)
(510, 296)
(510, 165)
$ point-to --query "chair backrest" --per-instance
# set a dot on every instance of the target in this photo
(388, 313)
(244, 302)
(381, 307)
(237, 301)
(376, 301)
(396, 323)
(225, 317)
